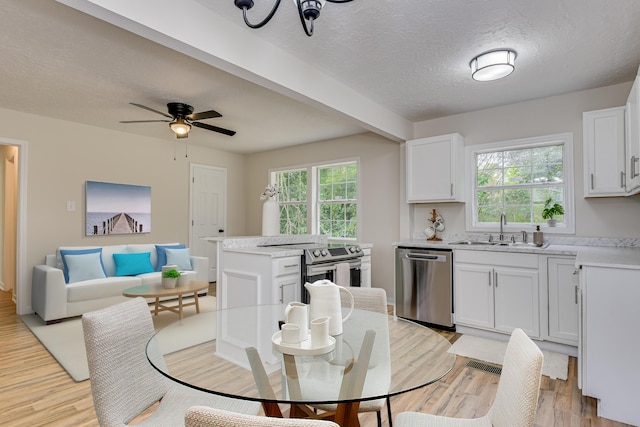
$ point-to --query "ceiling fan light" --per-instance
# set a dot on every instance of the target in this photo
(180, 127)
(493, 65)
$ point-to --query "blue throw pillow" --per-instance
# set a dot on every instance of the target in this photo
(85, 267)
(133, 264)
(65, 267)
(179, 257)
(162, 255)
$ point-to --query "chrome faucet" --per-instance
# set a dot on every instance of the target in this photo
(503, 220)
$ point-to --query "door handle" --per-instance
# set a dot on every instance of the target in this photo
(221, 231)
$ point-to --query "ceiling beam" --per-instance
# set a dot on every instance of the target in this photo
(198, 32)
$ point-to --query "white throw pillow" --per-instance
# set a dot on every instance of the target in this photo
(179, 257)
(84, 267)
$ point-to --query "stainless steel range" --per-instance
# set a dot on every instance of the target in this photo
(320, 261)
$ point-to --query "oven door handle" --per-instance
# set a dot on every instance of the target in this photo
(312, 270)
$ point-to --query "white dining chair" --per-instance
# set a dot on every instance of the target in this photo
(516, 400)
(203, 416)
(372, 299)
(123, 382)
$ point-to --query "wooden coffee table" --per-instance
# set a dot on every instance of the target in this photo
(157, 291)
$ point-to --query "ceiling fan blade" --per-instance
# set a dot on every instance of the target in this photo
(211, 114)
(151, 109)
(214, 128)
(145, 121)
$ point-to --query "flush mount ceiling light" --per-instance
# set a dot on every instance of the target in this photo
(180, 127)
(309, 11)
(493, 65)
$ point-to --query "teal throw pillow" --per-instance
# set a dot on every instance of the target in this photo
(84, 267)
(179, 257)
(65, 252)
(162, 255)
(133, 264)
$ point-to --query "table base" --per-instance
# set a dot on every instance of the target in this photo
(162, 306)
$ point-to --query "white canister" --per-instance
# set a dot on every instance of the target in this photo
(320, 331)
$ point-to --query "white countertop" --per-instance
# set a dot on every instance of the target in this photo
(613, 257)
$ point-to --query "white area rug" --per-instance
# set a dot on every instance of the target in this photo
(65, 340)
(555, 365)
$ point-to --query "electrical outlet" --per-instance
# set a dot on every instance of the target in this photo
(71, 206)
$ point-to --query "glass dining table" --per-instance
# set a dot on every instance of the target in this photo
(236, 352)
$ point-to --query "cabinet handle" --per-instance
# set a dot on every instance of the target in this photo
(495, 274)
(575, 293)
(634, 160)
(490, 284)
(290, 265)
(592, 181)
(622, 179)
(451, 189)
(281, 293)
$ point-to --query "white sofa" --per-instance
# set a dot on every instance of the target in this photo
(53, 299)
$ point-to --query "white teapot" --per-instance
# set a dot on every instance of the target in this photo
(325, 302)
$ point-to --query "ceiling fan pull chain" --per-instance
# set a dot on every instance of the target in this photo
(175, 147)
(186, 150)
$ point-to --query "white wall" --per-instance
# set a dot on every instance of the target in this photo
(62, 156)
(379, 174)
(595, 217)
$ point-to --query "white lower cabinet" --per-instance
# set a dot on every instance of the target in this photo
(497, 291)
(609, 345)
(562, 294)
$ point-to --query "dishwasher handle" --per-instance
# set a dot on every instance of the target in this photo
(425, 257)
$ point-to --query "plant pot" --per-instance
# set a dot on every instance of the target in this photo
(551, 222)
(184, 279)
(169, 282)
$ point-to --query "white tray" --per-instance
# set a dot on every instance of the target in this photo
(302, 349)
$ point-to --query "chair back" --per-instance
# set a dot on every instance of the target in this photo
(203, 416)
(517, 397)
(372, 299)
(123, 383)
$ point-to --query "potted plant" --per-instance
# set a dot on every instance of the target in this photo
(170, 278)
(550, 210)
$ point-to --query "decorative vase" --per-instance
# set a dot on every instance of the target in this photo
(551, 222)
(270, 218)
(184, 279)
(169, 282)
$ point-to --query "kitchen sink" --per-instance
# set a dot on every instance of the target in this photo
(498, 243)
(472, 242)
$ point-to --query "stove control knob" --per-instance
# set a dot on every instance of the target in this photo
(316, 252)
(352, 249)
(324, 252)
(357, 248)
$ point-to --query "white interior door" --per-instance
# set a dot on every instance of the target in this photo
(208, 195)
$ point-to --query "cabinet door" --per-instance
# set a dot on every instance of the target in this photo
(473, 295)
(562, 282)
(516, 300)
(434, 168)
(604, 152)
(286, 289)
(633, 139)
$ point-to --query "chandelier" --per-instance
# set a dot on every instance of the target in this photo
(309, 11)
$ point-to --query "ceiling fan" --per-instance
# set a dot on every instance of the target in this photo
(182, 118)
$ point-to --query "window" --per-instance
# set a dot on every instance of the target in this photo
(293, 201)
(319, 199)
(517, 178)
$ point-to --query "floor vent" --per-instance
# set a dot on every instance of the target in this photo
(481, 366)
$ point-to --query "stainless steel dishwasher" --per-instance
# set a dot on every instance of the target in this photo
(424, 287)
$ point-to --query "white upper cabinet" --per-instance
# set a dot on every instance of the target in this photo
(633, 139)
(435, 169)
(604, 152)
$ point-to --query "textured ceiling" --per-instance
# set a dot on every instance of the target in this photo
(409, 56)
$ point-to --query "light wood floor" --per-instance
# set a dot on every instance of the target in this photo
(36, 391)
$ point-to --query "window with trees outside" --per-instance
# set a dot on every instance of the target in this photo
(321, 199)
(517, 178)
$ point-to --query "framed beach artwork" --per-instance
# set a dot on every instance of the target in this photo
(117, 208)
